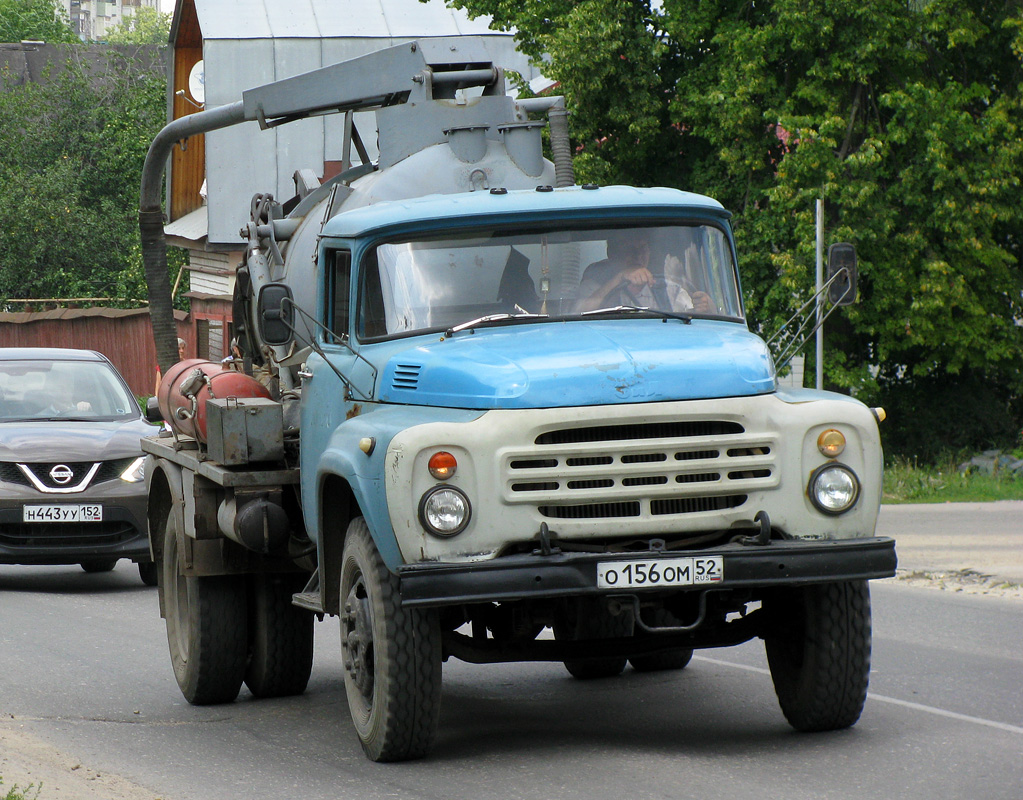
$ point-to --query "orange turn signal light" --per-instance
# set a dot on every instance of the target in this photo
(442, 465)
(831, 443)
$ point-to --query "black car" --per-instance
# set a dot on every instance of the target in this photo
(72, 488)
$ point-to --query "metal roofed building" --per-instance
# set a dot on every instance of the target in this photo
(221, 48)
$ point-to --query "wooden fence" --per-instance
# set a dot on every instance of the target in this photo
(125, 336)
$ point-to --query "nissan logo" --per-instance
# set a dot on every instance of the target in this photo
(61, 474)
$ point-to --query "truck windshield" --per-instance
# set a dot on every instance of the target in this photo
(414, 285)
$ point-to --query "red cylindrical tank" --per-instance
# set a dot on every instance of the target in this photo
(219, 383)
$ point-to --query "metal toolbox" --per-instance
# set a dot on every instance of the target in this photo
(244, 429)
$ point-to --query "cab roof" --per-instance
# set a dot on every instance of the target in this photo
(541, 203)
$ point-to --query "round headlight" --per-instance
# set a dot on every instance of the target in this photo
(833, 488)
(444, 511)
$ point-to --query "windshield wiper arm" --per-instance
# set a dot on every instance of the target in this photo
(686, 318)
(489, 319)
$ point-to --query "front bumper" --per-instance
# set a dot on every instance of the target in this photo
(779, 563)
(121, 534)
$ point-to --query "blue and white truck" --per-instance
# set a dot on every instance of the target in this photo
(510, 418)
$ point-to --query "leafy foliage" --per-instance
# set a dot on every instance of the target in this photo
(906, 117)
(73, 149)
(145, 26)
(35, 20)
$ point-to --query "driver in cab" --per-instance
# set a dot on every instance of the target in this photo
(624, 278)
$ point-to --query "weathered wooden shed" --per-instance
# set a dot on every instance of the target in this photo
(221, 48)
(125, 336)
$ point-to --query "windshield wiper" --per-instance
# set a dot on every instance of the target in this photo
(490, 319)
(686, 318)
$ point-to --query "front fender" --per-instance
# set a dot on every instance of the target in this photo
(365, 473)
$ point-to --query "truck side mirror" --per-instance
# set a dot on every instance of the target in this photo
(842, 262)
(276, 312)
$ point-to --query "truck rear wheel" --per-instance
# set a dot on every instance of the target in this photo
(280, 637)
(589, 618)
(206, 628)
(819, 654)
(392, 656)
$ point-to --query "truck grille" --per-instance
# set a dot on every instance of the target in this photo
(644, 469)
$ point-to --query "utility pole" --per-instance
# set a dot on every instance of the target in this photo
(820, 299)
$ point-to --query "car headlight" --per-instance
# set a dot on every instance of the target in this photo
(834, 488)
(445, 511)
(136, 471)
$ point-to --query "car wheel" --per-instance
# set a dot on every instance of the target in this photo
(675, 658)
(148, 572)
(391, 654)
(589, 618)
(280, 637)
(102, 565)
(207, 628)
(819, 654)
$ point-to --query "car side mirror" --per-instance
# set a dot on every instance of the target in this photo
(842, 268)
(153, 413)
(276, 312)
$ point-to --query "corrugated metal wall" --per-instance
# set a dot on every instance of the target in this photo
(123, 336)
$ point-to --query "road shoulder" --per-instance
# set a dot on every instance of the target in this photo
(26, 761)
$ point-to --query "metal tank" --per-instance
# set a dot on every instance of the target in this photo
(445, 124)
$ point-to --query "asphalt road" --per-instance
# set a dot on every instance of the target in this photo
(89, 705)
(983, 537)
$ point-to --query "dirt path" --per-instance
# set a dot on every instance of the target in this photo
(26, 761)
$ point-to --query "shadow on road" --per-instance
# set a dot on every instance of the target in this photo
(70, 579)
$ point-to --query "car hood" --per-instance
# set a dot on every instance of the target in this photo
(573, 363)
(43, 442)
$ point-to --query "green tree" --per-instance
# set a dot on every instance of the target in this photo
(145, 26)
(40, 20)
(906, 117)
(73, 150)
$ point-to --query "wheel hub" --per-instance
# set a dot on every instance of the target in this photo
(357, 640)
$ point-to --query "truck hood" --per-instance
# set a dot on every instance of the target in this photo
(581, 363)
(43, 442)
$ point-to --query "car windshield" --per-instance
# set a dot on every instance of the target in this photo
(412, 285)
(63, 390)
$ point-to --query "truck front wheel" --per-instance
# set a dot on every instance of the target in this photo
(391, 655)
(206, 628)
(818, 649)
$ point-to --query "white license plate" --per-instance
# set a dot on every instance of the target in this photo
(653, 573)
(63, 513)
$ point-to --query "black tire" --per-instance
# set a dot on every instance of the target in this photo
(819, 654)
(207, 629)
(149, 573)
(589, 618)
(280, 637)
(102, 565)
(392, 656)
(675, 658)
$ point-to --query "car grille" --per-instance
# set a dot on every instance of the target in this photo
(10, 472)
(66, 534)
(645, 469)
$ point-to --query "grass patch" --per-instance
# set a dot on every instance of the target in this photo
(908, 482)
(30, 792)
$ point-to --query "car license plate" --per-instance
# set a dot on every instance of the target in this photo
(63, 513)
(658, 572)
